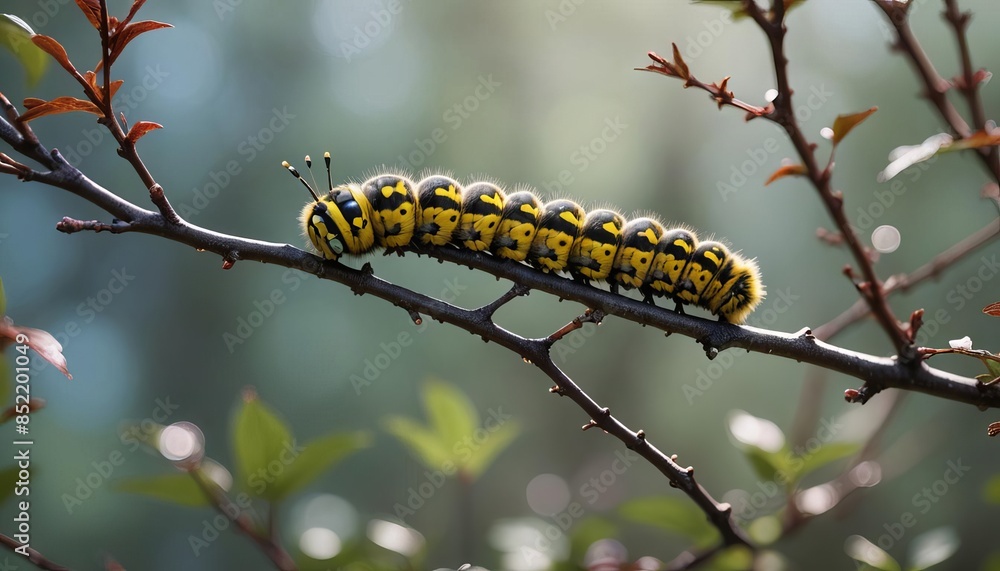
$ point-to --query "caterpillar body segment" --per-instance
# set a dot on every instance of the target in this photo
(635, 254)
(518, 225)
(670, 257)
(390, 212)
(439, 199)
(482, 208)
(593, 252)
(698, 278)
(558, 227)
(394, 206)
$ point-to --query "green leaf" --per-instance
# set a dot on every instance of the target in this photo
(827, 454)
(317, 456)
(932, 547)
(495, 443)
(992, 562)
(768, 465)
(16, 34)
(860, 549)
(451, 413)
(992, 366)
(672, 514)
(844, 124)
(423, 443)
(736, 558)
(765, 530)
(8, 476)
(179, 488)
(260, 438)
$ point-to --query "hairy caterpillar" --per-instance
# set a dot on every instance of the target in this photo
(392, 212)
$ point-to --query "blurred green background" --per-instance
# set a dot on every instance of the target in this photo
(524, 92)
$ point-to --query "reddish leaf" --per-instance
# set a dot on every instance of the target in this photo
(844, 124)
(786, 170)
(122, 37)
(976, 140)
(992, 309)
(91, 78)
(92, 10)
(135, 8)
(54, 49)
(115, 85)
(42, 342)
(682, 67)
(64, 104)
(140, 129)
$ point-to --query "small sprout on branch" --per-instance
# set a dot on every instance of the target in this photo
(415, 317)
(844, 124)
(992, 309)
(791, 169)
(831, 238)
(993, 429)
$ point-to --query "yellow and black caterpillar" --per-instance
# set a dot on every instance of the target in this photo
(390, 211)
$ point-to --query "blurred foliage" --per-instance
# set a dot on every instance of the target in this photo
(15, 35)
(455, 438)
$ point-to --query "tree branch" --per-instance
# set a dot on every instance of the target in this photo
(935, 86)
(784, 115)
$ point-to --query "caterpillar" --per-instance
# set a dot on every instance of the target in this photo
(391, 212)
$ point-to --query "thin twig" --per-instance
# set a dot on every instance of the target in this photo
(244, 522)
(935, 86)
(903, 282)
(784, 115)
(971, 78)
(34, 556)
